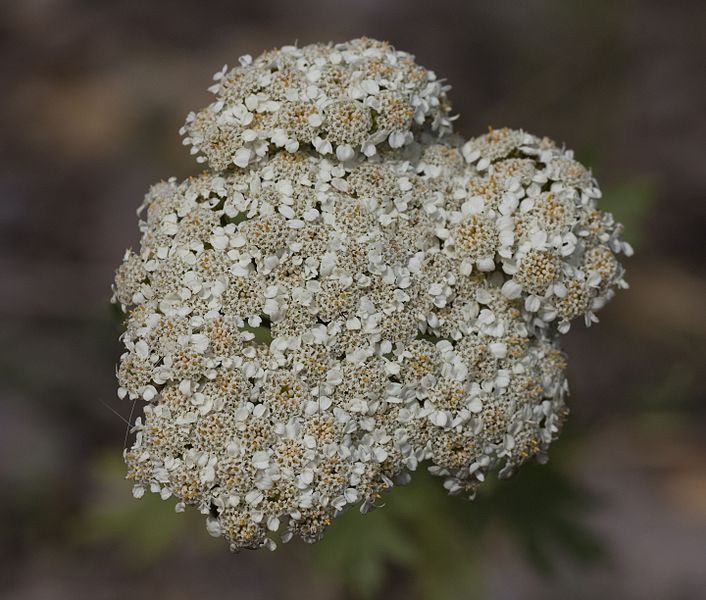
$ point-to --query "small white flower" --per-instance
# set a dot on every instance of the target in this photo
(242, 157)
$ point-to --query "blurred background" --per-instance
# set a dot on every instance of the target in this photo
(93, 93)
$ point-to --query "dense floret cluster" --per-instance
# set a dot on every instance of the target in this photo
(343, 100)
(351, 290)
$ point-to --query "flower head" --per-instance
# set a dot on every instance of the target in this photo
(342, 100)
(351, 290)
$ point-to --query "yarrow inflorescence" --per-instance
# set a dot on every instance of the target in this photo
(349, 291)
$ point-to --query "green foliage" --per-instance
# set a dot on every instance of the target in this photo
(143, 530)
(263, 333)
(438, 541)
(630, 201)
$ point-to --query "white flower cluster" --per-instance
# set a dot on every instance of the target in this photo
(346, 100)
(307, 327)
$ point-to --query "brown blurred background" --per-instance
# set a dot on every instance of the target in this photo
(93, 93)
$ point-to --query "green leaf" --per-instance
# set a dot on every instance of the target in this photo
(144, 530)
(630, 202)
(434, 538)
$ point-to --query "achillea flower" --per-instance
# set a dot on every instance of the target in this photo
(351, 290)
